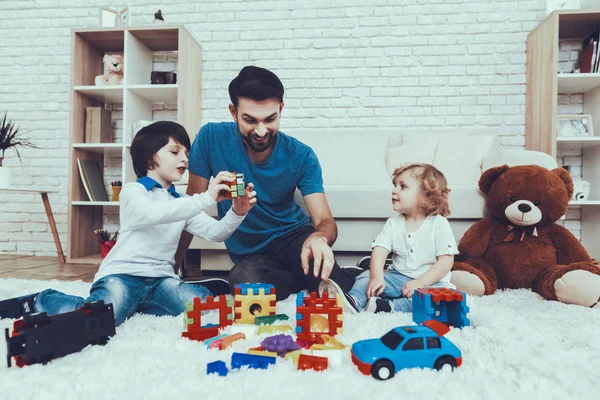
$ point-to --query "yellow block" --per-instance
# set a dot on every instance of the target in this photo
(263, 353)
(273, 328)
(293, 356)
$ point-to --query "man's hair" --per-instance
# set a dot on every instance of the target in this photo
(150, 139)
(255, 83)
(434, 187)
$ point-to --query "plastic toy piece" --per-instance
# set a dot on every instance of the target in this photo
(238, 360)
(445, 305)
(262, 353)
(214, 342)
(217, 367)
(252, 300)
(406, 347)
(329, 343)
(193, 317)
(17, 307)
(273, 328)
(39, 338)
(270, 319)
(333, 355)
(237, 186)
(293, 356)
(228, 341)
(306, 361)
(330, 307)
(280, 344)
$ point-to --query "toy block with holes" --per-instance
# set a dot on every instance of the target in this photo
(318, 316)
(193, 317)
(237, 186)
(445, 305)
(253, 300)
(306, 361)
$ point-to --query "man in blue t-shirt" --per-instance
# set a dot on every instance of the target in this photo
(277, 243)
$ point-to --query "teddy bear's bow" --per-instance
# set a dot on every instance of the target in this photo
(522, 230)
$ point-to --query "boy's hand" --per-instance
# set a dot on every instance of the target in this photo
(410, 287)
(243, 204)
(217, 189)
(376, 286)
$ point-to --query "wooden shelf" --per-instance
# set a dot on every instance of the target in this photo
(577, 83)
(577, 142)
(105, 94)
(137, 44)
(95, 203)
(101, 148)
(155, 93)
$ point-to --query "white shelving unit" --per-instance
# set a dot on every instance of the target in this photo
(137, 44)
(544, 84)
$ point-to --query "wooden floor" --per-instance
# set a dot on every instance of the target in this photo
(45, 268)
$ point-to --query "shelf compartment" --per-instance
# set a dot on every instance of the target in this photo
(577, 142)
(110, 149)
(154, 93)
(577, 83)
(105, 94)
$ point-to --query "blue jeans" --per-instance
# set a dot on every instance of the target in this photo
(128, 295)
(394, 281)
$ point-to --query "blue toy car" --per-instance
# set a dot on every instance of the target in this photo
(417, 346)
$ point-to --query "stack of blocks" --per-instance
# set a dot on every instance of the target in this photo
(305, 307)
(193, 312)
(441, 304)
(252, 300)
(237, 186)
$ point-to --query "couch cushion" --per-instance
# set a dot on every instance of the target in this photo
(349, 159)
(460, 157)
(414, 149)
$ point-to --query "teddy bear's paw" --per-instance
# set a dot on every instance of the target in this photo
(99, 80)
(468, 283)
(578, 287)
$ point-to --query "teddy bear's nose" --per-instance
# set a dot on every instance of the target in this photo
(524, 208)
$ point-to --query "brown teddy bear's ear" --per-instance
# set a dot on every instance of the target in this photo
(566, 178)
(490, 176)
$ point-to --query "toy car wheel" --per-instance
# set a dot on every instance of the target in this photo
(383, 370)
(445, 363)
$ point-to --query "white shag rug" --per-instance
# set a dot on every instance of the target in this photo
(518, 347)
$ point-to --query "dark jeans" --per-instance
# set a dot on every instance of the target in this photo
(279, 264)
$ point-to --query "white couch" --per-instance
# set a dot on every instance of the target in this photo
(357, 166)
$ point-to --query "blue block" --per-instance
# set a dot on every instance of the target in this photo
(218, 367)
(254, 287)
(452, 313)
(238, 360)
(300, 299)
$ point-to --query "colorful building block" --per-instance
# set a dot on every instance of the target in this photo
(306, 361)
(273, 328)
(445, 305)
(214, 342)
(193, 317)
(332, 308)
(263, 353)
(228, 341)
(270, 319)
(252, 300)
(217, 367)
(238, 360)
(237, 186)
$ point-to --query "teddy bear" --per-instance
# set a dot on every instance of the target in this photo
(519, 245)
(113, 65)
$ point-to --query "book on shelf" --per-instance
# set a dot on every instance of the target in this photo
(588, 57)
(91, 177)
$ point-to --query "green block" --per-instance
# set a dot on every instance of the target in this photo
(270, 319)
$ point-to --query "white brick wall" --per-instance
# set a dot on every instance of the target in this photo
(387, 63)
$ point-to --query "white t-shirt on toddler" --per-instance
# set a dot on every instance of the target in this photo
(413, 253)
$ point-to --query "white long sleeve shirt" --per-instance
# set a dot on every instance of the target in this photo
(152, 220)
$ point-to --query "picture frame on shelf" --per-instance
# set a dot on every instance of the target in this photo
(578, 125)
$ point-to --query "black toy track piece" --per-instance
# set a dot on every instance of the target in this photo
(17, 307)
(39, 338)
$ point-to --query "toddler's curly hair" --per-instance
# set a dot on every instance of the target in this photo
(434, 187)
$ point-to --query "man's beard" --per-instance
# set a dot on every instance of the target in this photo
(261, 146)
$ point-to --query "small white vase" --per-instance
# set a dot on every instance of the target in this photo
(5, 177)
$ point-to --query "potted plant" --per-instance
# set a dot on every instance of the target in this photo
(10, 138)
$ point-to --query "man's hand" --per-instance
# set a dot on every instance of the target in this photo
(243, 204)
(316, 247)
(410, 287)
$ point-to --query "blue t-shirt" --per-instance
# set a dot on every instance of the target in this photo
(219, 147)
